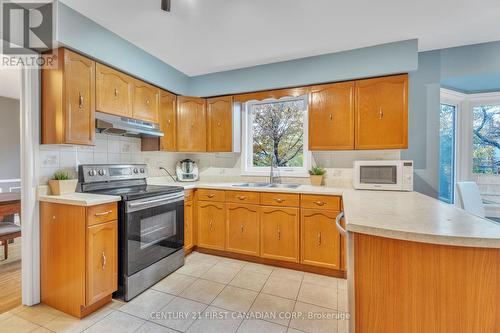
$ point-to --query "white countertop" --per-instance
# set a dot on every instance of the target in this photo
(400, 215)
(78, 199)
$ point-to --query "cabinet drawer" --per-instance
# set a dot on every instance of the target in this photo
(243, 197)
(320, 202)
(211, 195)
(279, 199)
(101, 213)
(188, 195)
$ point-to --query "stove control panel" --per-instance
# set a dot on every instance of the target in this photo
(91, 173)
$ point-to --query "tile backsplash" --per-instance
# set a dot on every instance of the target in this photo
(214, 167)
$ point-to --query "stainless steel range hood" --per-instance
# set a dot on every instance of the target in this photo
(116, 125)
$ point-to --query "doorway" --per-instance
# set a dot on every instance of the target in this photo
(10, 189)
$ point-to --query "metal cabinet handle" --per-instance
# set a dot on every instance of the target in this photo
(53, 217)
(211, 195)
(380, 113)
(320, 203)
(116, 92)
(80, 100)
(331, 116)
(242, 197)
(339, 217)
(241, 226)
(147, 101)
(319, 238)
(279, 200)
(103, 213)
(104, 261)
(218, 123)
(210, 223)
(279, 233)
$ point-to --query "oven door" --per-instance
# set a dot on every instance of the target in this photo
(154, 230)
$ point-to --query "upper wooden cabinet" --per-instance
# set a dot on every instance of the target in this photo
(145, 102)
(114, 91)
(167, 119)
(220, 124)
(191, 124)
(382, 113)
(68, 104)
(331, 116)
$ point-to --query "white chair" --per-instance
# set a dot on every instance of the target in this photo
(471, 198)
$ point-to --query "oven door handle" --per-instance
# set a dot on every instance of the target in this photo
(153, 201)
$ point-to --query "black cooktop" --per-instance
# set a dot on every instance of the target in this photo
(139, 192)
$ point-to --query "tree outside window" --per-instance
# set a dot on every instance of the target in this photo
(486, 140)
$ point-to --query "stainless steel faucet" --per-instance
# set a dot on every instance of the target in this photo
(274, 175)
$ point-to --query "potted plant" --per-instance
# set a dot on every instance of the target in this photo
(316, 175)
(62, 184)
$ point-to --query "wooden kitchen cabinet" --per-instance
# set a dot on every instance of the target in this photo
(382, 113)
(167, 119)
(68, 100)
(211, 224)
(145, 102)
(102, 264)
(220, 124)
(243, 229)
(320, 239)
(114, 91)
(188, 225)
(279, 233)
(331, 117)
(191, 124)
(78, 256)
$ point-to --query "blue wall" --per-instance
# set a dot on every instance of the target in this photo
(392, 58)
(84, 35)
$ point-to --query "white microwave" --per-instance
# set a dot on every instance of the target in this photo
(383, 175)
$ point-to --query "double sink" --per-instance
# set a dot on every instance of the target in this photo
(267, 185)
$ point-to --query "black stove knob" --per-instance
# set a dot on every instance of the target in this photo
(102, 172)
(136, 170)
(92, 173)
(142, 170)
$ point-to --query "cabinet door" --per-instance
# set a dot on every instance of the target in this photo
(220, 124)
(188, 225)
(79, 82)
(167, 115)
(242, 229)
(102, 265)
(382, 113)
(191, 124)
(211, 225)
(145, 102)
(320, 238)
(331, 117)
(113, 91)
(279, 233)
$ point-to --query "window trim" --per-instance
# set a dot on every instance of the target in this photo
(247, 169)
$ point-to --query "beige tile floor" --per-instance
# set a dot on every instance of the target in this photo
(209, 294)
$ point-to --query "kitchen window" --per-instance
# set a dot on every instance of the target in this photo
(276, 128)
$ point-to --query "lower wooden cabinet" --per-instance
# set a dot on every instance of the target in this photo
(78, 256)
(188, 225)
(102, 264)
(279, 233)
(243, 229)
(211, 224)
(320, 240)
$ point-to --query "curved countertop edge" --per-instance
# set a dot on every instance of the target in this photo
(446, 240)
(75, 199)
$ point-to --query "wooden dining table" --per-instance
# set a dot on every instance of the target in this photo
(10, 204)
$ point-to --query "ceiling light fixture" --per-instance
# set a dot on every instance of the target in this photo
(165, 5)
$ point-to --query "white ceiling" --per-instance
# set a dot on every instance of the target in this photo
(204, 36)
